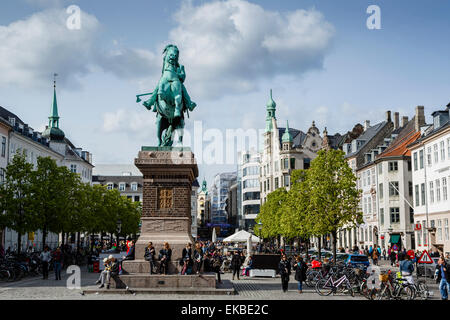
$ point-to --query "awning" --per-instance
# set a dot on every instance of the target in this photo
(395, 238)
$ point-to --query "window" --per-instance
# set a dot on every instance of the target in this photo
(121, 186)
(438, 190)
(292, 163)
(393, 189)
(410, 188)
(365, 205)
(110, 186)
(395, 215)
(442, 147)
(416, 187)
(431, 192)
(251, 196)
(446, 233)
(421, 159)
(415, 161)
(393, 166)
(277, 184)
(286, 181)
(411, 215)
(380, 168)
(429, 156)
(448, 148)
(422, 192)
(380, 190)
(382, 216)
(439, 230)
(368, 177)
(277, 166)
(134, 186)
(137, 199)
(3, 146)
(370, 233)
(286, 163)
(444, 189)
(73, 168)
(369, 203)
(2, 175)
(436, 154)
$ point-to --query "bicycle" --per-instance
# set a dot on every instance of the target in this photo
(325, 287)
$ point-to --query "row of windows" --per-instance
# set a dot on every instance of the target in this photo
(122, 186)
(435, 190)
(435, 153)
(250, 171)
(267, 187)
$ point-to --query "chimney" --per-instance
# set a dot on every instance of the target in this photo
(419, 119)
(396, 120)
(388, 116)
(404, 121)
(366, 125)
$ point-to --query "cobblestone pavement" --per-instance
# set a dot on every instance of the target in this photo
(247, 288)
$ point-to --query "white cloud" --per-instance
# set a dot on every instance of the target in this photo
(132, 122)
(34, 48)
(229, 46)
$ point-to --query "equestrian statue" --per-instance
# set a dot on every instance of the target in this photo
(170, 99)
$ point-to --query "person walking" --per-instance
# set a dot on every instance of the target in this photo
(57, 259)
(216, 264)
(393, 257)
(149, 255)
(284, 268)
(375, 255)
(236, 263)
(384, 254)
(45, 259)
(300, 272)
(443, 277)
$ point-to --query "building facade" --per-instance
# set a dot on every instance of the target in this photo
(431, 178)
(219, 196)
(285, 149)
(250, 190)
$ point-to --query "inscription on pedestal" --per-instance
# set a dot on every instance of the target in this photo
(165, 198)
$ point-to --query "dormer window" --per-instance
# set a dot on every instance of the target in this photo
(12, 121)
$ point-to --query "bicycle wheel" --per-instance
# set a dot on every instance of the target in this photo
(310, 279)
(384, 294)
(322, 288)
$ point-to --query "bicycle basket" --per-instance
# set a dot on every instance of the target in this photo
(383, 277)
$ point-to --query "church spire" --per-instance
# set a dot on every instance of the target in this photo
(53, 132)
(270, 114)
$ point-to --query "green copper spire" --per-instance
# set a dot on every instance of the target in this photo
(271, 107)
(53, 132)
(287, 137)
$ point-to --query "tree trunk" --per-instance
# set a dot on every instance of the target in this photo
(44, 236)
(19, 242)
(333, 238)
(319, 246)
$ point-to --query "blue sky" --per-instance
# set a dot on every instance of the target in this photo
(319, 58)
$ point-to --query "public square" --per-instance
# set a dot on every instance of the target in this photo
(246, 289)
(157, 145)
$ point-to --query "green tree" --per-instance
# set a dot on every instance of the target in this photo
(15, 198)
(271, 212)
(333, 195)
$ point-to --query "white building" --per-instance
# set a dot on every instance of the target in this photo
(431, 184)
(249, 173)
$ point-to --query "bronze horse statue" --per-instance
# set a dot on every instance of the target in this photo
(170, 99)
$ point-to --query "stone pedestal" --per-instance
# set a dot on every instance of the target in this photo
(166, 208)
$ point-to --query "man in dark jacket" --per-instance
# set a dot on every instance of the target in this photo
(443, 277)
(236, 263)
(186, 258)
(284, 268)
